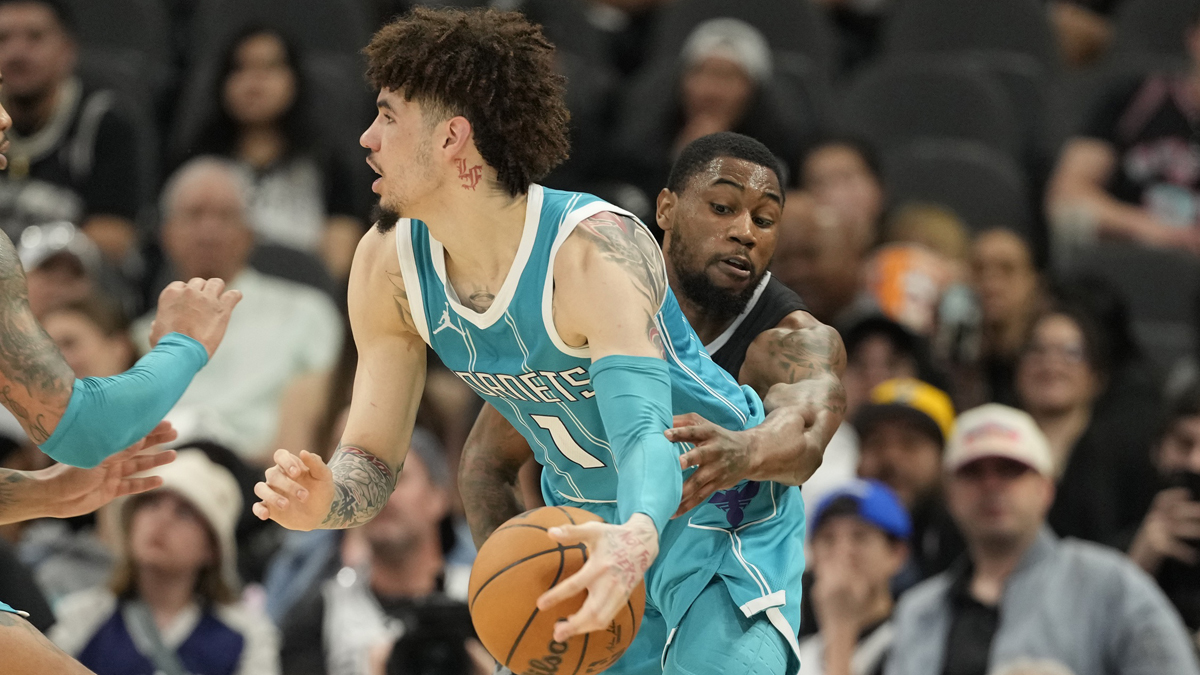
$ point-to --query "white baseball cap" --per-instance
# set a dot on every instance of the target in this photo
(995, 430)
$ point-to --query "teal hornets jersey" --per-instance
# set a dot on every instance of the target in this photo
(513, 356)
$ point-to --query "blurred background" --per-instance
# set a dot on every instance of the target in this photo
(999, 198)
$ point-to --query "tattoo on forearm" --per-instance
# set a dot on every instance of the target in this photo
(10, 487)
(28, 357)
(812, 353)
(621, 240)
(362, 485)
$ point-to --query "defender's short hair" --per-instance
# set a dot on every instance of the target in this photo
(698, 154)
(494, 68)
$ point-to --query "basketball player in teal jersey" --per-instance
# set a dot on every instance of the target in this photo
(556, 305)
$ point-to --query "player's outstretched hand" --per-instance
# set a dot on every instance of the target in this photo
(297, 492)
(618, 557)
(723, 458)
(73, 492)
(199, 309)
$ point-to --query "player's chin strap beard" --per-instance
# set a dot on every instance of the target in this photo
(712, 300)
(384, 218)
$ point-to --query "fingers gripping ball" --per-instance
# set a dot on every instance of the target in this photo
(517, 564)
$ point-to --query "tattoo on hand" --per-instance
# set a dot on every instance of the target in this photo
(362, 485)
(631, 556)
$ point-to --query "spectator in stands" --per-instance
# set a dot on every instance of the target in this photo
(1024, 592)
(287, 330)
(1167, 544)
(173, 603)
(1006, 292)
(723, 82)
(395, 589)
(1134, 171)
(1083, 28)
(844, 174)
(821, 259)
(304, 195)
(1105, 480)
(902, 431)
(73, 154)
(859, 542)
(908, 282)
(93, 336)
(62, 265)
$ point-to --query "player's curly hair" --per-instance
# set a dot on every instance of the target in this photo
(495, 69)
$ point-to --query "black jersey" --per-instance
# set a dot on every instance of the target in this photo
(770, 303)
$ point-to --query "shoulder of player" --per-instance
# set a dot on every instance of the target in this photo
(608, 241)
(797, 320)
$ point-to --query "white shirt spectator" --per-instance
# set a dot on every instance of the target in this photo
(280, 330)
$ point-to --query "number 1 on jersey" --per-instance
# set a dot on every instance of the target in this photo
(566, 443)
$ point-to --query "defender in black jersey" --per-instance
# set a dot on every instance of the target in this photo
(719, 212)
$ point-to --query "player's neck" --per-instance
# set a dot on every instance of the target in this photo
(480, 230)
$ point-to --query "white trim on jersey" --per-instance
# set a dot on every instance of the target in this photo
(412, 278)
(721, 339)
(533, 215)
(570, 220)
(780, 622)
(757, 605)
(669, 347)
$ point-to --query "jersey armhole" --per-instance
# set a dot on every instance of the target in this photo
(568, 224)
(412, 280)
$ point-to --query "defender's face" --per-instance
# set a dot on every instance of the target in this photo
(401, 142)
(723, 223)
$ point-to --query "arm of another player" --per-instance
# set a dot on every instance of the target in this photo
(796, 367)
(610, 281)
(82, 422)
(488, 473)
(301, 492)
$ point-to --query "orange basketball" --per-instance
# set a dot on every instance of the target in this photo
(516, 565)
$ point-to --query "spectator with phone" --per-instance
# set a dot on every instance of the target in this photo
(1167, 545)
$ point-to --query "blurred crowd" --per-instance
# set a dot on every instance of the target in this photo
(995, 202)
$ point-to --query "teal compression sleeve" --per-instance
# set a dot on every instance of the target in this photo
(634, 397)
(108, 414)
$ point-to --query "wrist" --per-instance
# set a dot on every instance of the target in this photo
(643, 527)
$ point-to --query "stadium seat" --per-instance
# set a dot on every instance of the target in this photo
(1152, 26)
(985, 187)
(1028, 85)
(293, 265)
(337, 26)
(923, 26)
(789, 26)
(141, 26)
(1159, 286)
(901, 100)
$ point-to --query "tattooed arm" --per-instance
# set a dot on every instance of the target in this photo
(35, 382)
(796, 367)
(303, 493)
(488, 473)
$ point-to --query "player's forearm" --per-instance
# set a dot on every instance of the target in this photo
(489, 493)
(20, 498)
(362, 484)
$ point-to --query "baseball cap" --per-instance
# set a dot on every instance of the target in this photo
(876, 503)
(995, 430)
(906, 398)
(39, 243)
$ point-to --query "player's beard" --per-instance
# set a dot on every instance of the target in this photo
(695, 285)
(384, 218)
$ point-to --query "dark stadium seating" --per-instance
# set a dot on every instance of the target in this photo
(901, 100)
(985, 187)
(337, 26)
(1152, 27)
(1021, 26)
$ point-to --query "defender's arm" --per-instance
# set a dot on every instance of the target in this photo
(302, 492)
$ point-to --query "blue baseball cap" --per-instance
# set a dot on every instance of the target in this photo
(877, 505)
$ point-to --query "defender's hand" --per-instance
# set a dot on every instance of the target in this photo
(723, 458)
(297, 493)
(618, 557)
(74, 491)
(199, 309)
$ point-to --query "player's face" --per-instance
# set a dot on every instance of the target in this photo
(721, 227)
(401, 145)
(1053, 374)
(998, 501)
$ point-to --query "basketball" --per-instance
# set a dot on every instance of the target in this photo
(517, 564)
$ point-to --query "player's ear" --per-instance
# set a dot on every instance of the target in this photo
(664, 213)
(457, 135)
